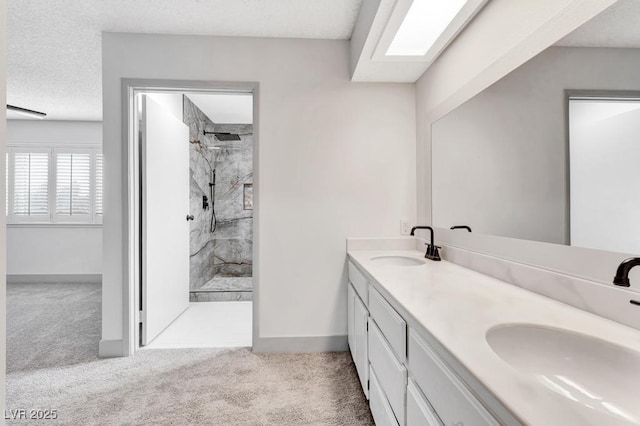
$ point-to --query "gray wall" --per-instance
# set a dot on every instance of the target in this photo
(228, 251)
(499, 159)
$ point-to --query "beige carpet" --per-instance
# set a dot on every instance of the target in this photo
(179, 386)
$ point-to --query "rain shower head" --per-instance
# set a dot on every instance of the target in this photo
(227, 137)
(223, 136)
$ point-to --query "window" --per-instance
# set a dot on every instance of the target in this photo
(73, 185)
(31, 185)
(54, 185)
(99, 184)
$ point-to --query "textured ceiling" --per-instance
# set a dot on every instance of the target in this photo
(618, 26)
(54, 47)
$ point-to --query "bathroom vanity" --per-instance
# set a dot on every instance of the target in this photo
(435, 343)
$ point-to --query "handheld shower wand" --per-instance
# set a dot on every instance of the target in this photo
(212, 191)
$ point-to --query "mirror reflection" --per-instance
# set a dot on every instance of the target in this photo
(551, 152)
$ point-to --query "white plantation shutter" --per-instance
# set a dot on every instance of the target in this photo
(73, 184)
(99, 184)
(31, 184)
(53, 185)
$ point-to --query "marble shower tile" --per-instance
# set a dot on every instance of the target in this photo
(227, 296)
(228, 284)
(201, 269)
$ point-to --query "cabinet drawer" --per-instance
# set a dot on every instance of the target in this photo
(359, 282)
(380, 408)
(391, 374)
(393, 327)
(449, 397)
(419, 412)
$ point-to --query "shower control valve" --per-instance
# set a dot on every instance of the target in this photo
(205, 203)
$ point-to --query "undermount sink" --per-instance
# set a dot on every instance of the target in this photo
(397, 260)
(591, 372)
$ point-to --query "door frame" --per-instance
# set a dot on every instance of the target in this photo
(584, 94)
(132, 201)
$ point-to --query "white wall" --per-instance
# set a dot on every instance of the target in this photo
(54, 249)
(3, 121)
(44, 132)
(499, 160)
(335, 160)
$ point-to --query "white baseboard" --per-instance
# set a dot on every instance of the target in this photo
(114, 348)
(54, 278)
(110, 348)
(300, 344)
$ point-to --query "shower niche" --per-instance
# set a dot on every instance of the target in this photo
(221, 233)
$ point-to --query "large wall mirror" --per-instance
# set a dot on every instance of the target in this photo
(551, 152)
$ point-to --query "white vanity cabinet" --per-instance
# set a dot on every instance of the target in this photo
(406, 381)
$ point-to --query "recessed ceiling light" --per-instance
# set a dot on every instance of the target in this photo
(424, 23)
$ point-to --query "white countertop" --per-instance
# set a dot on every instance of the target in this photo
(457, 306)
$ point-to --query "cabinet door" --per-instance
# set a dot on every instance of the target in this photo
(350, 318)
(360, 283)
(361, 358)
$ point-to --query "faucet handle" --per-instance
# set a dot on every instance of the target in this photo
(435, 255)
(432, 252)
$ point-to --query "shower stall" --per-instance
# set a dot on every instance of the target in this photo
(221, 202)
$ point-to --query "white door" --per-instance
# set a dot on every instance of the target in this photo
(165, 229)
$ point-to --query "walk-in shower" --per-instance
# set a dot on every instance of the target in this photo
(221, 168)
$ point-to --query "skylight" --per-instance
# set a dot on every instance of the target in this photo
(425, 21)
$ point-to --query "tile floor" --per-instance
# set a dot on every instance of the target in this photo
(209, 325)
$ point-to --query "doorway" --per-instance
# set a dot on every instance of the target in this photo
(604, 145)
(194, 182)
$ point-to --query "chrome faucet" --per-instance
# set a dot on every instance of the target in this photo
(432, 249)
(622, 274)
